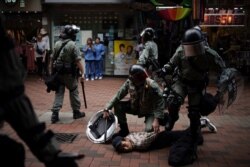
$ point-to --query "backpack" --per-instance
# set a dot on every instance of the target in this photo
(183, 152)
(39, 51)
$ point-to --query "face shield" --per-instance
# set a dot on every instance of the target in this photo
(194, 48)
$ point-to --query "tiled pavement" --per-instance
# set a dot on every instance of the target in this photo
(229, 147)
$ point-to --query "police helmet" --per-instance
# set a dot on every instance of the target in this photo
(70, 31)
(99, 129)
(147, 34)
(193, 42)
(197, 27)
(204, 34)
(137, 74)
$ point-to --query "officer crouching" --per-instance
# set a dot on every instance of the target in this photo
(66, 60)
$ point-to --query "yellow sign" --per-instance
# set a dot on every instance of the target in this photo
(125, 56)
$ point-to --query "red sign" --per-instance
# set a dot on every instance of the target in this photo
(227, 20)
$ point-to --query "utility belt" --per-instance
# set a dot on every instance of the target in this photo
(65, 68)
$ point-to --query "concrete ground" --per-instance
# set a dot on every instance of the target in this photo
(229, 147)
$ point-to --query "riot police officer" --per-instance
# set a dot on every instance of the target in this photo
(146, 100)
(149, 55)
(66, 59)
(17, 110)
(193, 60)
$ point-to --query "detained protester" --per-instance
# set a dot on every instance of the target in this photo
(193, 60)
(66, 62)
(145, 100)
(145, 141)
(16, 109)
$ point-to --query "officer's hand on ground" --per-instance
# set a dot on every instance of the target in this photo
(105, 113)
(156, 125)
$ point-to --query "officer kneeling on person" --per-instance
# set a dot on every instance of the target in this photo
(146, 100)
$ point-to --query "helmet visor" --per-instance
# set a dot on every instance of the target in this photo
(194, 48)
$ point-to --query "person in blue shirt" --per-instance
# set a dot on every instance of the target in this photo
(89, 56)
(99, 57)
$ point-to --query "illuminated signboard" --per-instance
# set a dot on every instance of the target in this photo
(10, 2)
(224, 20)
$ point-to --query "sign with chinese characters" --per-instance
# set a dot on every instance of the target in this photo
(224, 20)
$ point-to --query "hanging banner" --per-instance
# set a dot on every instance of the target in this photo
(173, 14)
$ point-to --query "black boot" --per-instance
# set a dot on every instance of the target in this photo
(171, 121)
(198, 138)
(123, 132)
(77, 114)
(54, 117)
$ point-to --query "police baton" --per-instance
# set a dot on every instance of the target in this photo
(84, 96)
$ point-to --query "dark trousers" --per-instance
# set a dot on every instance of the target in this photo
(40, 66)
(11, 152)
(166, 139)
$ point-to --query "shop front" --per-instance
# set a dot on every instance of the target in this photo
(229, 35)
(112, 22)
(23, 19)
